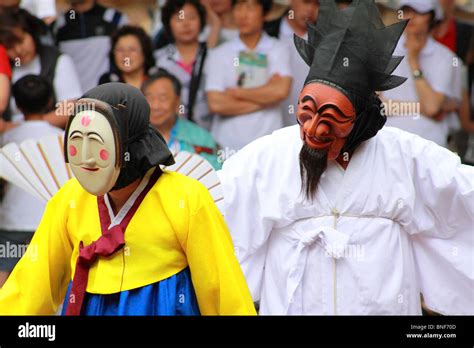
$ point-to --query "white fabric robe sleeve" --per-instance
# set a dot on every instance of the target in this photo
(245, 211)
(442, 228)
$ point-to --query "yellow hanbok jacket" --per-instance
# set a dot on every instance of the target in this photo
(176, 226)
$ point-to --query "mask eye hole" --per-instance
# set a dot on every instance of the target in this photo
(96, 137)
(303, 118)
(76, 135)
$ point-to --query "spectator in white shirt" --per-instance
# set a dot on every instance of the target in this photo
(425, 103)
(20, 213)
(248, 79)
(30, 56)
(185, 58)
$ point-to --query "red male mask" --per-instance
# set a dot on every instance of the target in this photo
(326, 118)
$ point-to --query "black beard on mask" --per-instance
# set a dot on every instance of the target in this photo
(313, 163)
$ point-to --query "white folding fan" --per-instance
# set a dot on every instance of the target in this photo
(198, 168)
(38, 167)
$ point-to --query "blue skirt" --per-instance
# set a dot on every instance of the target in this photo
(171, 296)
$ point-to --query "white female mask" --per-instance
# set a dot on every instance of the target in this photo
(109, 141)
(92, 152)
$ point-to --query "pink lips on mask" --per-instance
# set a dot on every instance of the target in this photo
(90, 169)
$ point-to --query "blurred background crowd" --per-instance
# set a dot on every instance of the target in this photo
(218, 74)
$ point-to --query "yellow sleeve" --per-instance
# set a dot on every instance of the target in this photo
(39, 281)
(218, 281)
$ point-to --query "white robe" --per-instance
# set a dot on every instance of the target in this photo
(398, 222)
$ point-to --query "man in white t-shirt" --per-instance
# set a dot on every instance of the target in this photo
(247, 80)
(424, 104)
(20, 212)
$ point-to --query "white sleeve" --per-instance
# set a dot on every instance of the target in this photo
(448, 79)
(66, 81)
(46, 8)
(443, 228)
(246, 211)
(280, 59)
(40, 9)
(215, 78)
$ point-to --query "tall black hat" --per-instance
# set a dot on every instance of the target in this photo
(352, 48)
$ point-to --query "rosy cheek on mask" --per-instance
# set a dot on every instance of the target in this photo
(104, 155)
(72, 150)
